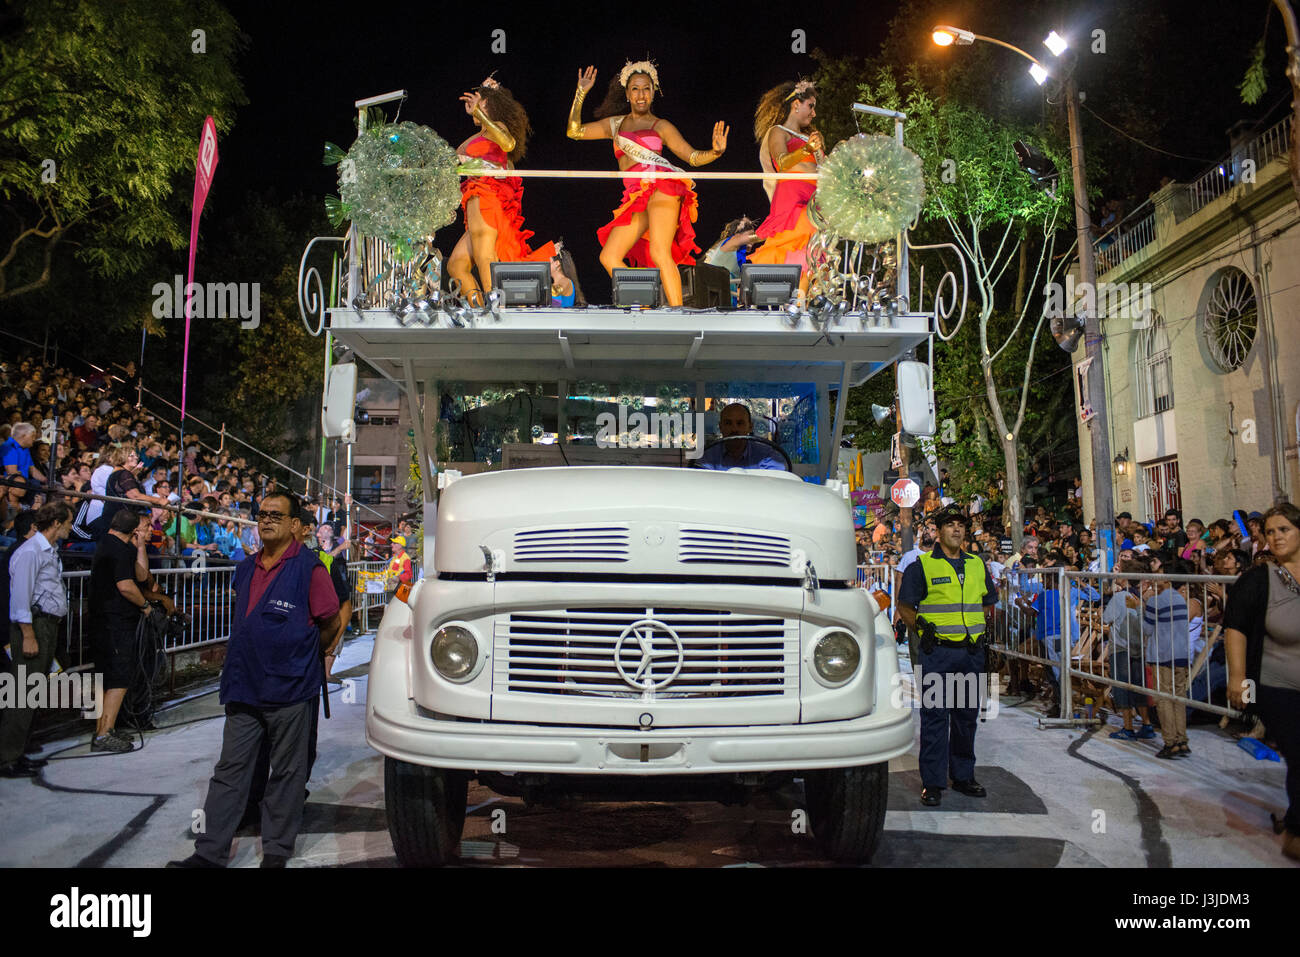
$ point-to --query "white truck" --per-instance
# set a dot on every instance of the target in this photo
(627, 631)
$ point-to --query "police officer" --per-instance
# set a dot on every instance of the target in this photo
(285, 615)
(945, 596)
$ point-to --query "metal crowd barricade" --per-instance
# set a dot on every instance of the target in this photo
(203, 593)
(206, 595)
(370, 589)
(1078, 648)
(882, 577)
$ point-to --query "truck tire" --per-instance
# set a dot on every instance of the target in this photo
(846, 808)
(426, 812)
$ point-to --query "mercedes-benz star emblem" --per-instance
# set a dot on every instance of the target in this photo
(648, 655)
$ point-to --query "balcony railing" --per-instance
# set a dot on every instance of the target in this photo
(1138, 229)
(1133, 233)
(1220, 178)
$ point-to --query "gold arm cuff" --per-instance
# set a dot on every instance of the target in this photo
(576, 131)
(787, 161)
(703, 157)
(495, 132)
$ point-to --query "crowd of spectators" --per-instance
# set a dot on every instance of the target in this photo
(107, 444)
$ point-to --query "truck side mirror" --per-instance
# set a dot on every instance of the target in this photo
(915, 397)
(340, 402)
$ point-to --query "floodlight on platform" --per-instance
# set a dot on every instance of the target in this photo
(764, 287)
(1056, 43)
(523, 283)
(637, 287)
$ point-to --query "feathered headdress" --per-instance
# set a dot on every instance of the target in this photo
(801, 89)
(640, 66)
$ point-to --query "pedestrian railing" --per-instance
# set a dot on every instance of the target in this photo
(205, 594)
(370, 590)
(1057, 619)
(881, 577)
(1133, 234)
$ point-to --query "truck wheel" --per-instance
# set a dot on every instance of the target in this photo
(426, 812)
(846, 808)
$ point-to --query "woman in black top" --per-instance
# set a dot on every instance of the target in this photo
(1262, 637)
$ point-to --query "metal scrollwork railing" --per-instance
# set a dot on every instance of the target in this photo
(946, 292)
(311, 289)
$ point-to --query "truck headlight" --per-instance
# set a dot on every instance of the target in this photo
(836, 656)
(455, 652)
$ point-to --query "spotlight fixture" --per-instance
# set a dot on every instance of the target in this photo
(947, 36)
(1056, 43)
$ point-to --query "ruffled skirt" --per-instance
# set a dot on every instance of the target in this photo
(636, 197)
(787, 228)
(499, 205)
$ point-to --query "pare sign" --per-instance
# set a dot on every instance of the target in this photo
(905, 493)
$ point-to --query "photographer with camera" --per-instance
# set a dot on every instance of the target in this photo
(946, 597)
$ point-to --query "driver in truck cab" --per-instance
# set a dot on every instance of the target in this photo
(740, 453)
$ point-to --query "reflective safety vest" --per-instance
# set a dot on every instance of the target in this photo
(954, 602)
(326, 558)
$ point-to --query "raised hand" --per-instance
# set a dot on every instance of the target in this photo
(816, 142)
(472, 101)
(720, 131)
(587, 79)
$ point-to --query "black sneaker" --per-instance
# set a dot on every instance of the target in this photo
(111, 743)
(1168, 751)
(274, 860)
(192, 861)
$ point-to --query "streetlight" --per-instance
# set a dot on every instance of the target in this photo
(1098, 426)
(946, 36)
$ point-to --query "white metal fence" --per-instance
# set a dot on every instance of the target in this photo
(1161, 642)
(207, 596)
(1128, 237)
(1166, 646)
(1218, 179)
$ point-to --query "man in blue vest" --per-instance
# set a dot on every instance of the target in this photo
(286, 615)
(946, 596)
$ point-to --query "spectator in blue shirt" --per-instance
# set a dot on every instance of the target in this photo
(16, 460)
(1168, 641)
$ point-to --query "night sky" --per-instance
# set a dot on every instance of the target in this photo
(302, 72)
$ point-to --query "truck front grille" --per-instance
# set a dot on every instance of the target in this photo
(715, 653)
(603, 543)
(717, 546)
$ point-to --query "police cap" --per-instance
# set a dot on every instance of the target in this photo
(951, 514)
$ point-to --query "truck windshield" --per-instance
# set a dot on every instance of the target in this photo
(521, 425)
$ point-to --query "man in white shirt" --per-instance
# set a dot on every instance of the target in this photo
(926, 545)
(37, 605)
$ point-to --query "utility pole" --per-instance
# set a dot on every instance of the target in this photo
(1103, 502)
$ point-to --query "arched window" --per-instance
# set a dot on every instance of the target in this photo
(1154, 372)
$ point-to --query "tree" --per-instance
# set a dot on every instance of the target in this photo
(999, 220)
(102, 108)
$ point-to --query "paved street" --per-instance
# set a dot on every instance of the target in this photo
(1056, 798)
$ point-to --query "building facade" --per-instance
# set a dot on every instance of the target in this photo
(1199, 290)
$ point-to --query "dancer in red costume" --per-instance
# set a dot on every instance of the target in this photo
(494, 223)
(787, 144)
(652, 226)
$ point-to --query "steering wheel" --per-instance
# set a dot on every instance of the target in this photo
(789, 466)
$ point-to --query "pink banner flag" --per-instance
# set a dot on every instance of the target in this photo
(204, 168)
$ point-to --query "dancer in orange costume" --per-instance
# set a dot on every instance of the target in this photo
(652, 226)
(787, 144)
(494, 222)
